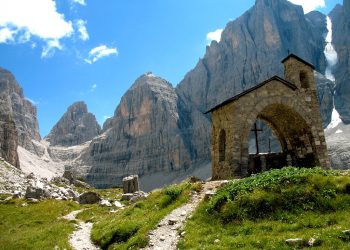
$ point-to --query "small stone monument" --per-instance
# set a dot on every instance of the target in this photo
(131, 184)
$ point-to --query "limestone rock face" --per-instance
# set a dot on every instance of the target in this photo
(325, 90)
(75, 127)
(151, 132)
(340, 17)
(251, 49)
(8, 134)
(24, 113)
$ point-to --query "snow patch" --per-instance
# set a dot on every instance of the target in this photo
(329, 52)
(332, 59)
(339, 131)
(335, 119)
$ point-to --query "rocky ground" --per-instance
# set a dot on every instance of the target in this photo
(337, 137)
(169, 232)
(80, 239)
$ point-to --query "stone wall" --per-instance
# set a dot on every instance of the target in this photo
(290, 108)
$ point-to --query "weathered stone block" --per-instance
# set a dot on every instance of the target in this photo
(131, 184)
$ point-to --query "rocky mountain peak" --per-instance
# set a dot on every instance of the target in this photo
(150, 135)
(152, 81)
(22, 111)
(78, 107)
(250, 51)
(149, 93)
(75, 127)
(276, 5)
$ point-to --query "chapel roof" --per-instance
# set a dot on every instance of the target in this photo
(236, 97)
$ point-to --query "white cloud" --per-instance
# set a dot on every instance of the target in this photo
(309, 5)
(99, 52)
(37, 18)
(7, 35)
(50, 47)
(93, 87)
(81, 2)
(83, 34)
(215, 35)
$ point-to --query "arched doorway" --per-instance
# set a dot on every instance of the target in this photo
(290, 130)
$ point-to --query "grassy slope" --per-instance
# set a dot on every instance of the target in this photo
(128, 229)
(36, 226)
(39, 226)
(261, 212)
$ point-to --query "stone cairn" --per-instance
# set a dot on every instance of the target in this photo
(131, 184)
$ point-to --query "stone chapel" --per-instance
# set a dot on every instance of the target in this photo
(288, 106)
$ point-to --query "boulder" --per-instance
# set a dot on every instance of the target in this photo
(105, 203)
(134, 197)
(81, 184)
(69, 176)
(138, 196)
(36, 193)
(131, 184)
(314, 242)
(118, 204)
(89, 198)
(126, 197)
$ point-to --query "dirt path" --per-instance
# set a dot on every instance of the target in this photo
(166, 235)
(80, 239)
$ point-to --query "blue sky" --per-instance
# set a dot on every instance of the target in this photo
(90, 50)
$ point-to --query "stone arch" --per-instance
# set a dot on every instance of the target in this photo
(291, 123)
(222, 145)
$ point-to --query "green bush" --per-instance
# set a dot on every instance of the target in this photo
(287, 189)
(173, 191)
(171, 194)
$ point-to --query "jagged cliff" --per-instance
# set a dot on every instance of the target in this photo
(8, 133)
(340, 16)
(251, 49)
(75, 127)
(19, 124)
(24, 113)
(151, 132)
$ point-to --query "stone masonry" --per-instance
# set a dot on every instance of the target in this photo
(291, 109)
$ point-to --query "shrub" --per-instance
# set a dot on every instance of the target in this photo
(173, 191)
(171, 194)
(287, 189)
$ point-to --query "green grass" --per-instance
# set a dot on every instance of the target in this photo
(39, 226)
(36, 226)
(108, 194)
(128, 228)
(262, 211)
